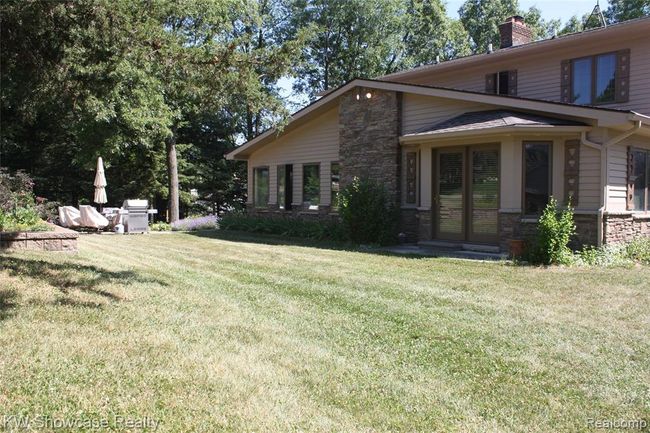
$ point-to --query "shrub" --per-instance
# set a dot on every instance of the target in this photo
(554, 231)
(636, 251)
(160, 227)
(639, 250)
(18, 211)
(607, 255)
(315, 230)
(368, 214)
(207, 222)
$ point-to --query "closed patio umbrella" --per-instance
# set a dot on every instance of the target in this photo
(100, 183)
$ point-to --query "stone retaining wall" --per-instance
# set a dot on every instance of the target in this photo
(59, 239)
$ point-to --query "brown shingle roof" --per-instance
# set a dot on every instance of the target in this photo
(494, 119)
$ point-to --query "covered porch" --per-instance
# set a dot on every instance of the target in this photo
(482, 178)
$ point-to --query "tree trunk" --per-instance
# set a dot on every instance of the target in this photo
(172, 175)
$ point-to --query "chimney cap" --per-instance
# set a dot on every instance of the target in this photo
(515, 19)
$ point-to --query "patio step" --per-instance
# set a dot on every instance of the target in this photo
(464, 246)
(440, 251)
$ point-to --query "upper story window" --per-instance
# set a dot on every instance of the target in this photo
(501, 83)
(594, 79)
(638, 180)
(261, 186)
(598, 79)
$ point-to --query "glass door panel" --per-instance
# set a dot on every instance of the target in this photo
(484, 195)
(450, 218)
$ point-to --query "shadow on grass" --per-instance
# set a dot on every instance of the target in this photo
(7, 303)
(66, 277)
(271, 239)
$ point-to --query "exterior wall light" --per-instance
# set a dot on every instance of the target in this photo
(368, 95)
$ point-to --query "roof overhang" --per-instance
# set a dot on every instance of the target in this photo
(594, 116)
(488, 132)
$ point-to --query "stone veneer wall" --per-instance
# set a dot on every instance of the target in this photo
(59, 239)
(425, 225)
(625, 227)
(513, 226)
(297, 211)
(409, 223)
(369, 138)
(369, 130)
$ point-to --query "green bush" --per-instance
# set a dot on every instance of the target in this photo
(315, 230)
(639, 250)
(627, 254)
(160, 227)
(554, 231)
(607, 255)
(368, 214)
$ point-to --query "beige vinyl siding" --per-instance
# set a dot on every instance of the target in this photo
(589, 179)
(511, 174)
(617, 172)
(539, 76)
(316, 142)
(421, 111)
(617, 178)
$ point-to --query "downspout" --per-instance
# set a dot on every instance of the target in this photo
(604, 163)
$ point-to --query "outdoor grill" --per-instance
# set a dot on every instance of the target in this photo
(135, 216)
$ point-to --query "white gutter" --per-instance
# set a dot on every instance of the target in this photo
(604, 163)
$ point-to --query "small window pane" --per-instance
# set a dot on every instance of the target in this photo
(504, 83)
(536, 177)
(639, 174)
(261, 186)
(581, 85)
(605, 78)
(336, 177)
(311, 186)
(282, 185)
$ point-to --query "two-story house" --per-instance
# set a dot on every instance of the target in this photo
(471, 149)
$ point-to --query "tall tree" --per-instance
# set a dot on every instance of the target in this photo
(623, 10)
(481, 19)
(83, 78)
(429, 34)
(74, 88)
(355, 38)
(211, 55)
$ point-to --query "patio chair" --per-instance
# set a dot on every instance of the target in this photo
(90, 218)
(69, 217)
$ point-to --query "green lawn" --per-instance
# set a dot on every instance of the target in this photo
(225, 334)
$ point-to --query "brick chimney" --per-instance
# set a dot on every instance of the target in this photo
(514, 32)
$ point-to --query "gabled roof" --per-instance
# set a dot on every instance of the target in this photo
(634, 28)
(596, 116)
